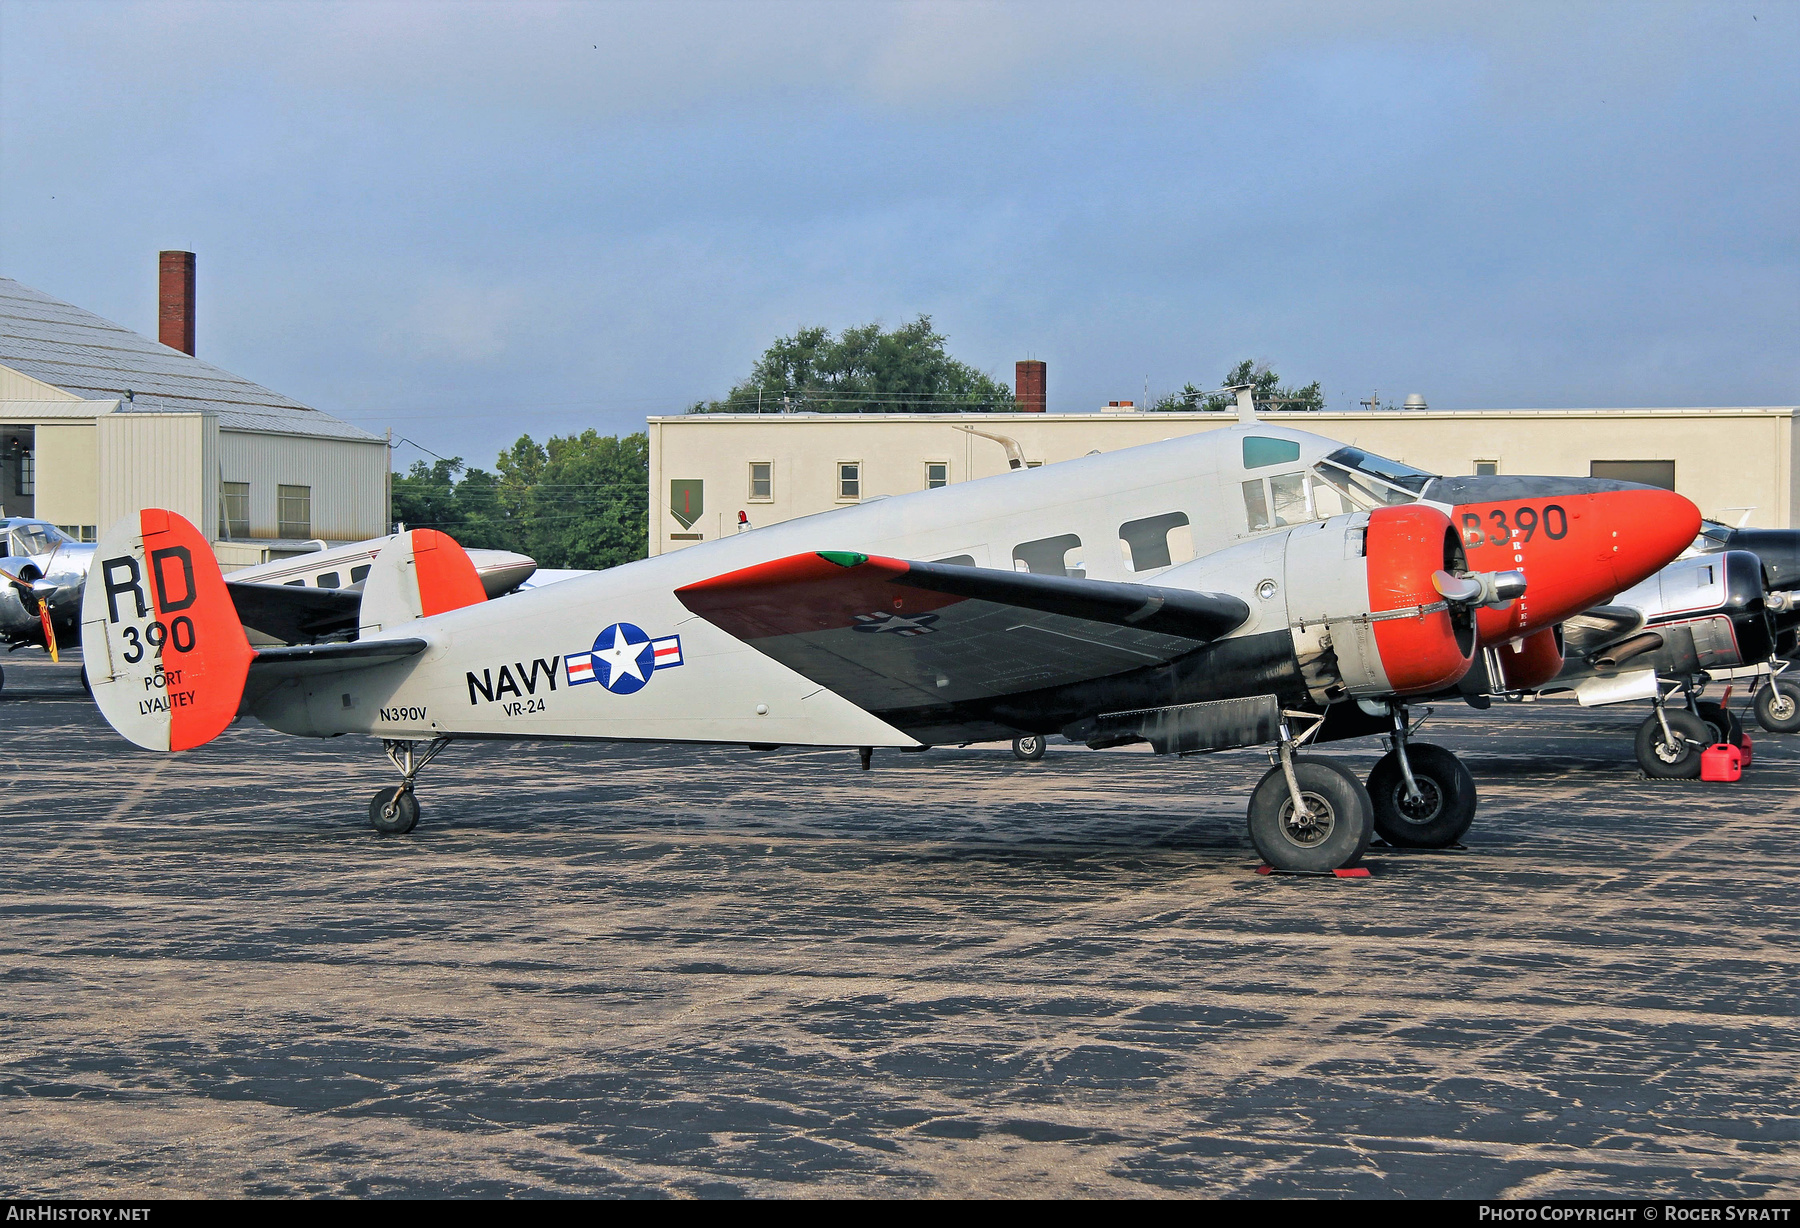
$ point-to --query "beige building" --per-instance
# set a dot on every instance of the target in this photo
(97, 421)
(706, 469)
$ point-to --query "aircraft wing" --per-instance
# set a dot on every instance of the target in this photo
(293, 613)
(1591, 630)
(890, 634)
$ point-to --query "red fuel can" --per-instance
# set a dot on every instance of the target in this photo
(1721, 762)
(1744, 749)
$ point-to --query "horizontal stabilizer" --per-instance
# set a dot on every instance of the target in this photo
(293, 613)
(887, 634)
(301, 659)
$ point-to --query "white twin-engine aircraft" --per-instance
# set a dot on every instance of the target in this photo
(1245, 586)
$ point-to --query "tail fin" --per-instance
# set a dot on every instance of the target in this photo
(160, 638)
(418, 574)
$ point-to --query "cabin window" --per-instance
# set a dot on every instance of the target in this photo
(359, 574)
(1256, 506)
(937, 473)
(1156, 541)
(849, 480)
(1260, 452)
(762, 481)
(293, 512)
(1050, 556)
(1647, 472)
(958, 560)
(234, 510)
(328, 580)
(293, 583)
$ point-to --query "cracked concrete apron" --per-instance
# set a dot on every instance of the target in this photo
(654, 970)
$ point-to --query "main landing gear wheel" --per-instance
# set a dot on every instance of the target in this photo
(1778, 706)
(1722, 721)
(1332, 834)
(1030, 747)
(1662, 760)
(1441, 813)
(394, 810)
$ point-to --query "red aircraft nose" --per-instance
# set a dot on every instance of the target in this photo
(1579, 541)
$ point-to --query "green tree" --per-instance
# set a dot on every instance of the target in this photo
(1265, 390)
(863, 370)
(575, 501)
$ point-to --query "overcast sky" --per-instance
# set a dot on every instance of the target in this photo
(466, 221)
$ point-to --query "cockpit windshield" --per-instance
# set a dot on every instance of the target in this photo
(1370, 481)
(30, 540)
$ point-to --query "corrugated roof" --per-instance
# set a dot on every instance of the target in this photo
(92, 357)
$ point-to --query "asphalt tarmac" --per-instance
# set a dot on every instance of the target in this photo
(662, 971)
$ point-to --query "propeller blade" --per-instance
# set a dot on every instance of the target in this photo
(1455, 588)
(49, 630)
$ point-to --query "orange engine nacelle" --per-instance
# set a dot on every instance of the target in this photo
(1405, 546)
(1527, 664)
(1365, 616)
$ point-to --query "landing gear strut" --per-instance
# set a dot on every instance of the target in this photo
(1424, 797)
(394, 811)
(1778, 705)
(1309, 814)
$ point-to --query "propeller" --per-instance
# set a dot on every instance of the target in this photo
(1487, 588)
(42, 591)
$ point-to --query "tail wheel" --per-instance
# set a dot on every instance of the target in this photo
(1721, 720)
(1030, 747)
(394, 811)
(1662, 760)
(1332, 833)
(1778, 706)
(1444, 809)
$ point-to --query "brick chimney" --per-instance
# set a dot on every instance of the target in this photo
(1028, 386)
(175, 301)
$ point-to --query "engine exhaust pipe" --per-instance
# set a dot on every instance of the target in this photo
(1625, 650)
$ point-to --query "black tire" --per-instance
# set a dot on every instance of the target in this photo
(1030, 747)
(1721, 720)
(87, 688)
(405, 816)
(1663, 762)
(1336, 839)
(1448, 798)
(1778, 706)
(2, 680)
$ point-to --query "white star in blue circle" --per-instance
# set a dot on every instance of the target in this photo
(623, 658)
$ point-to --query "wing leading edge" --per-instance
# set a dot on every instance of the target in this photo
(888, 634)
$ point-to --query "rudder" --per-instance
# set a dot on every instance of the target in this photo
(164, 651)
(419, 573)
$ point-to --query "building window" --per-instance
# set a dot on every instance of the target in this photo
(79, 532)
(849, 480)
(762, 481)
(234, 509)
(27, 473)
(1156, 541)
(293, 512)
(937, 473)
(1487, 469)
(1647, 472)
(1050, 556)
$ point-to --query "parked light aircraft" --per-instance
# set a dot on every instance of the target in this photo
(1246, 586)
(42, 570)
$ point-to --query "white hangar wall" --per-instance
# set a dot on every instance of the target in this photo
(158, 460)
(1725, 459)
(347, 479)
